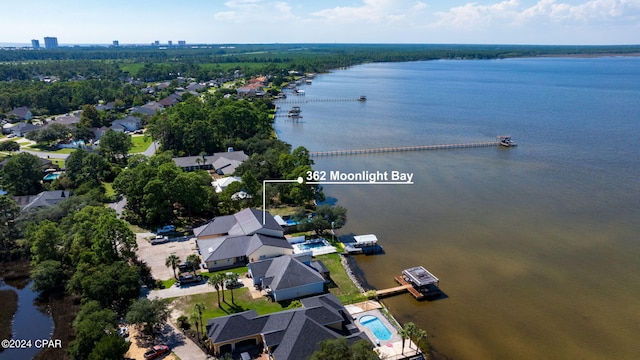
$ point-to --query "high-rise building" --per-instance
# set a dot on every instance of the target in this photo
(35, 44)
(182, 43)
(116, 43)
(50, 42)
(170, 43)
(156, 43)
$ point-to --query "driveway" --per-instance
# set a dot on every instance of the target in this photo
(204, 287)
(156, 255)
(176, 291)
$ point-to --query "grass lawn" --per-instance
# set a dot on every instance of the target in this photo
(283, 210)
(109, 192)
(59, 162)
(140, 144)
(242, 302)
(169, 282)
(342, 286)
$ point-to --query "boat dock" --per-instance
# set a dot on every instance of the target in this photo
(403, 148)
(418, 281)
(363, 244)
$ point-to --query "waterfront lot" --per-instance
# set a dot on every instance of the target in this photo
(156, 255)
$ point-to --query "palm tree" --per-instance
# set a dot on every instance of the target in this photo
(172, 261)
(214, 280)
(232, 278)
(195, 318)
(193, 260)
(403, 334)
(204, 159)
(221, 277)
(199, 308)
(411, 329)
(419, 336)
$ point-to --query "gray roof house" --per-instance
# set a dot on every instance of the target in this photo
(287, 277)
(290, 334)
(20, 113)
(226, 162)
(130, 123)
(148, 109)
(170, 100)
(43, 199)
(65, 120)
(21, 129)
(233, 240)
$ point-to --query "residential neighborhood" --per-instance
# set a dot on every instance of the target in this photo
(142, 213)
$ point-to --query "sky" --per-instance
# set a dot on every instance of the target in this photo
(545, 22)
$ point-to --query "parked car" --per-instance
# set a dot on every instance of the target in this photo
(233, 281)
(156, 351)
(189, 279)
(159, 239)
(166, 229)
(184, 267)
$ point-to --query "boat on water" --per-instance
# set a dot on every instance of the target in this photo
(362, 98)
(506, 141)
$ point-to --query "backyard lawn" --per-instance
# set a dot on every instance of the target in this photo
(342, 287)
(140, 144)
(242, 302)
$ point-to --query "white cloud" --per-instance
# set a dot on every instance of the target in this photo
(245, 11)
(372, 11)
(512, 12)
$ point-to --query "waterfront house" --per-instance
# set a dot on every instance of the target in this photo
(287, 277)
(234, 240)
(226, 162)
(290, 334)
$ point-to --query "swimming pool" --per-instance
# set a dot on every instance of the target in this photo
(313, 244)
(51, 177)
(376, 326)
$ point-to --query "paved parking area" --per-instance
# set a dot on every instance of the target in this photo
(156, 255)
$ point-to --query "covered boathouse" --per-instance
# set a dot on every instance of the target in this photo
(421, 280)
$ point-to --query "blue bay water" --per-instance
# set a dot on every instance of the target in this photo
(536, 247)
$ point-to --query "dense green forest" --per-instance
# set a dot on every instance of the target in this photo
(89, 74)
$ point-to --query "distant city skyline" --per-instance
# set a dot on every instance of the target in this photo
(553, 22)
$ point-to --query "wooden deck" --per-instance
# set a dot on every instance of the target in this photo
(404, 287)
(416, 294)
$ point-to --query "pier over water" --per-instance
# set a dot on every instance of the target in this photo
(404, 148)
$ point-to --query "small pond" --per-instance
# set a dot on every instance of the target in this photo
(32, 320)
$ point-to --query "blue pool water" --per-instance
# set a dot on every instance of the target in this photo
(312, 245)
(50, 177)
(376, 326)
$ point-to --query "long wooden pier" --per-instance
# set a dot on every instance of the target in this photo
(403, 148)
(302, 100)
